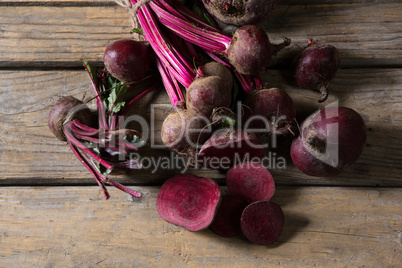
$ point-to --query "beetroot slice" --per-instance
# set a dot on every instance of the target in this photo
(250, 181)
(262, 222)
(227, 148)
(188, 201)
(227, 219)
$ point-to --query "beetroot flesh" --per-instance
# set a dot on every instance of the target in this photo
(240, 12)
(330, 140)
(188, 201)
(250, 181)
(276, 108)
(315, 67)
(66, 110)
(207, 93)
(127, 60)
(227, 147)
(262, 222)
(249, 50)
(227, 219)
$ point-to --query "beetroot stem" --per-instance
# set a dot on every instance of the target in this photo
(89, 168)
(72, 139)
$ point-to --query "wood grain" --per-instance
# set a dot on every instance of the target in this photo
(74, 227)
(60, 36)
(31, 155)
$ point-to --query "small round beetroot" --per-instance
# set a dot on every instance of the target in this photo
(249, 50)
(262, 222)
(240, 12)
(315, 67)
(207, 93)
(227, 219)
(330, 140)
(183, 130)
(127, 60)
(225, 148)
(188, 201)
(270, 109)
(250, 181)
(214, 68)
(65, 110)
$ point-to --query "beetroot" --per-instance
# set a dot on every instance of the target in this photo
(227, 219)
(315, 67)
(188, 201)
(227, 147)
(240, 12)
(65, 110)
(250, 181)
(330, 140)
(208, 93)
(127, 60)
(271, 110)
(262, 222)
(183, 130)
(249, 50)
(214, 68)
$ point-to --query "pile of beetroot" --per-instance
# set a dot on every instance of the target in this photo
(208, 56)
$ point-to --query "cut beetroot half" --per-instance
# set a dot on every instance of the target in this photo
(227, 148)
(250, 181)
(227, 219)
(188, 201)
(262, 222)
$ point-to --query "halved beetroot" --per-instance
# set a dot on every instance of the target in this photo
(227, 147)
(188, 201)
(250, 181)
(227, 219)
(262, 222)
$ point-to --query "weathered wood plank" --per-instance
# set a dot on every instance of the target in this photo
(62, 36)
(74, 227)
(31, 155)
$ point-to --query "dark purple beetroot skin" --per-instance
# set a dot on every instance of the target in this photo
(65, 110)
(207, 93)
(315, 67)
(330, 140)
(249, 50)
(227, 219)
(240, 12)
(127, 60)
(226, 148)
(262, 222)
(275, 106)
(188, 201)
(250, 181)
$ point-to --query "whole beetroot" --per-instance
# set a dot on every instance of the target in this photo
(330, 140)
(315, 67)
(65, 110)
(249, 50)
(207, 93)
(183, 129)
(227, 147)
(127, 60)
(271, 109)
(240, 12)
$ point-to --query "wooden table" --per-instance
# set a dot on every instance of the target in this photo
(53, 215)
